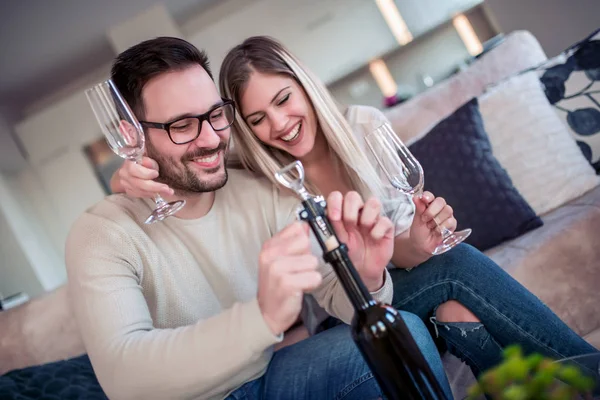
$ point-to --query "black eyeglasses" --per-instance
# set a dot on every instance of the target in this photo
(187, 129)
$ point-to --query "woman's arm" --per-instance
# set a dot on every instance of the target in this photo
(115, 183)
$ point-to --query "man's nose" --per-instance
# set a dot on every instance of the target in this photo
(208, 138)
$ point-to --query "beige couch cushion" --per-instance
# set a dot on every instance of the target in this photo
(533, 144)
(560, 262)
(593, 338)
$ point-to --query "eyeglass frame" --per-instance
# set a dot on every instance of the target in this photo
(200, 117)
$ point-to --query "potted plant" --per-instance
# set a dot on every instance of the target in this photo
(533, 377)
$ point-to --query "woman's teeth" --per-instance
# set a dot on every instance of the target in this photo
(207, 160)
(293, 134)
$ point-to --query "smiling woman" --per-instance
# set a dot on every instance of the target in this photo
(283, 120)
(277, 97)
(461, 290)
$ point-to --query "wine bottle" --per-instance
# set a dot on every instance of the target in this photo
(378, 329)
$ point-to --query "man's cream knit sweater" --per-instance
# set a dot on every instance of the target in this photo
(169, 310)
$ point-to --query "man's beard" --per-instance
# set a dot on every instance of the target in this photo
(180, 177)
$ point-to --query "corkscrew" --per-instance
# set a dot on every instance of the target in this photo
(313, 210)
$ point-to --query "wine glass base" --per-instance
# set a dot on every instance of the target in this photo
(451, 241)
(165, 211)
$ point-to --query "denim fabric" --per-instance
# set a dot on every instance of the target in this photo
(471, 342)
(329, 366)
(508, 312)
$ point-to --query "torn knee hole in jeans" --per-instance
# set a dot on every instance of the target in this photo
(463, 327)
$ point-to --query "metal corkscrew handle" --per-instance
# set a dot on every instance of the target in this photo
(313, 208)
(295, 184)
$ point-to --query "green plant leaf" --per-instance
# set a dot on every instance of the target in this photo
(515, 392)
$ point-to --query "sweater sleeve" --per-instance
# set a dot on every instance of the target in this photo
(132, 359)
(332, 297)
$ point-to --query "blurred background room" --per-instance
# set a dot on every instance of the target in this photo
(498, 99)
(53, 159)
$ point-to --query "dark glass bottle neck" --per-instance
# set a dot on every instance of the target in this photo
(335, 253)
(357, 292)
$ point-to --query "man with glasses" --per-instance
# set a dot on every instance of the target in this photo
(191, 307)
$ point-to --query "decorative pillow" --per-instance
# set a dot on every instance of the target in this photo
(457, 159)
(66, 379)
(572, 85)
(533, 144)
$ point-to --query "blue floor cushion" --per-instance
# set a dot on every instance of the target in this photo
(72, 379)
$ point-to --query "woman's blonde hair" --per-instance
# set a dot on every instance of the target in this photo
(266, 55)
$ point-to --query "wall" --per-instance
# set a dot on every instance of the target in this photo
(555, 23)
(406, 66)
(435, 54)
(29, 261)
(49, 191)
(11, 156)
(16, 275)
(333, 25)
(58, 181)
(332, 37)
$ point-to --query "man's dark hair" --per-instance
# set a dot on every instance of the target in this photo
(134, 67)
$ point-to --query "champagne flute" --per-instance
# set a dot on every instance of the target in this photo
(125, 136)
(405, 173)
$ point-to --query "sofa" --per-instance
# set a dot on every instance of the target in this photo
(558, 259)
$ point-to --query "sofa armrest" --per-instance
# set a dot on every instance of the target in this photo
(40, 331)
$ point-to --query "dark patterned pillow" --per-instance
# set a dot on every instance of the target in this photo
(67, 379)
(459, 166)
(572, 85)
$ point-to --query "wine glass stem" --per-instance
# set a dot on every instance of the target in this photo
(445, 232)
(160, 202)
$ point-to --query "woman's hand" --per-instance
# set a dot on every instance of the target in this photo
(424, 232)
(368, 235)
(137, 180)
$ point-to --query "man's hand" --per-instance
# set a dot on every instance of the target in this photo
(424, 232)
(287, 270)
(368, 235)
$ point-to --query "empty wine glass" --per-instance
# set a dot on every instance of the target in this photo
(125, 136)
(406, 174)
